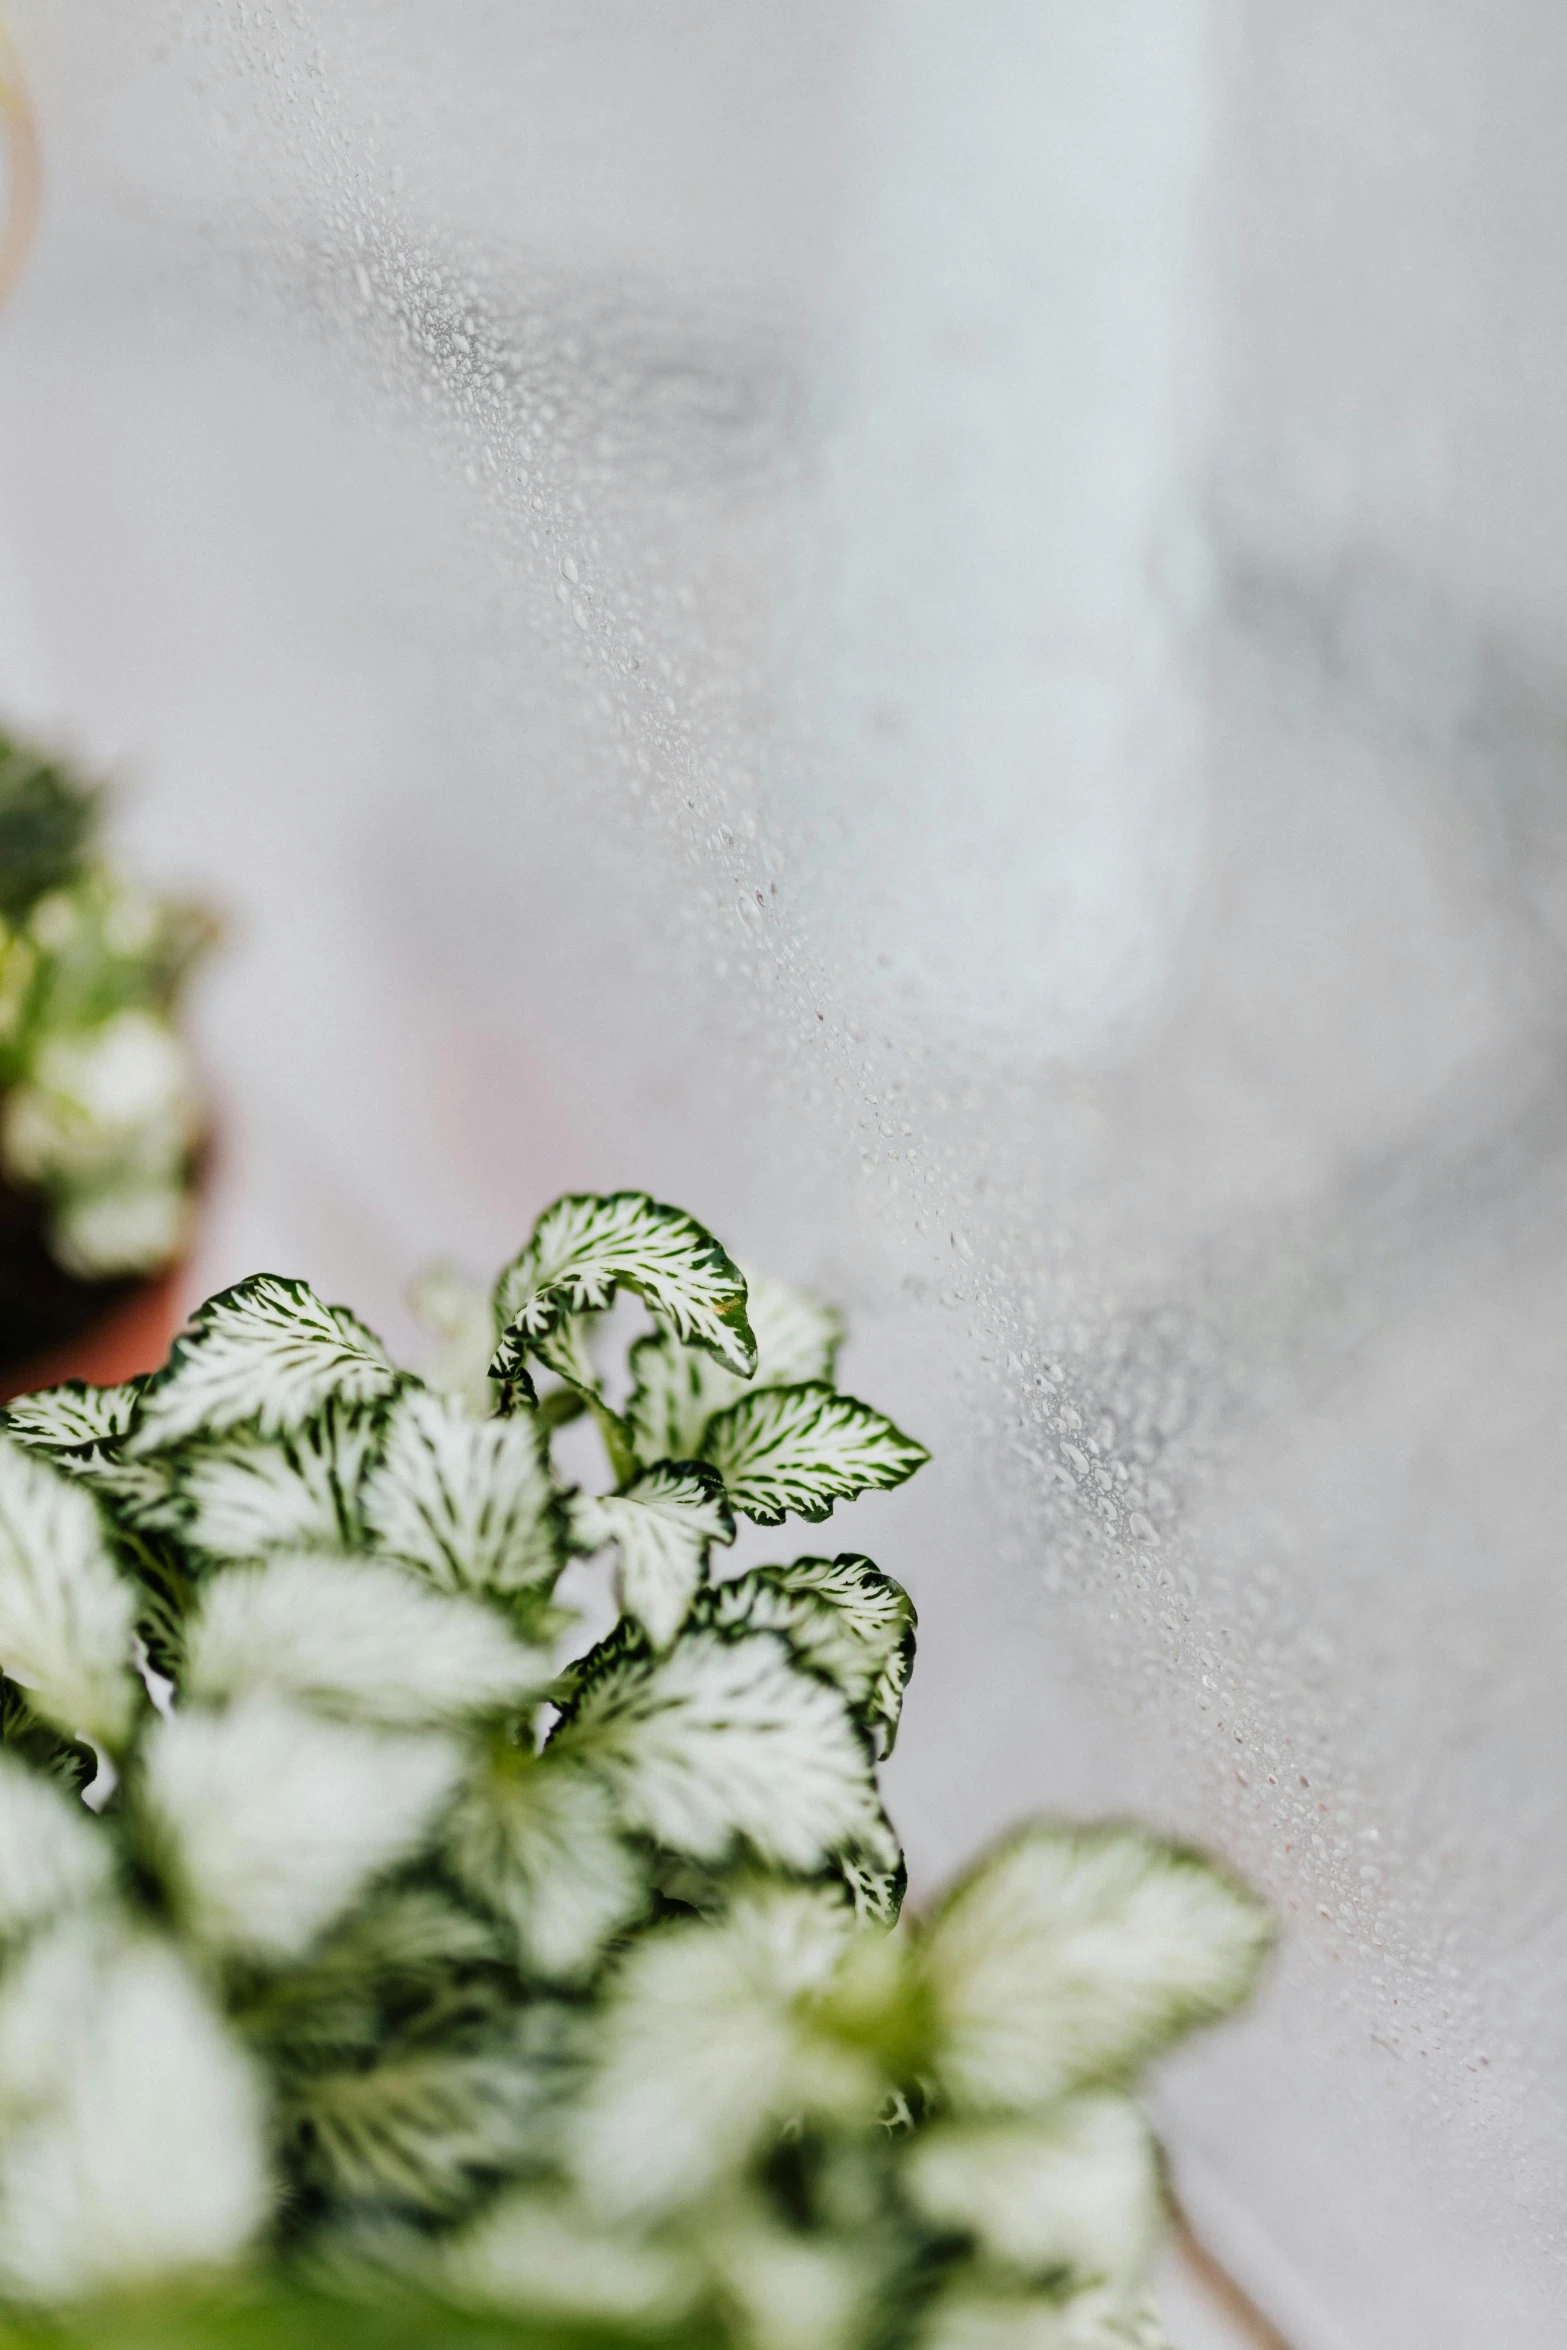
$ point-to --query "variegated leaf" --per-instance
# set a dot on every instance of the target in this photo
(46, 1751)
(139, 1493)
(469, 1502)
(269, 1822)
(978, 2313)
(662, 1525)
(390, 1953)
(268, 1351)
(359, 1637)
(1070, 1956)
(66, 1611)
(418, 2130)
(794, 2288)
(53, 1853)
(875, 1884)
(535, 1838)
(394, 1953)
(73, 1417)
(538, 2248)
(1074, 2192)
(709, 2043)
(246, 1494)
(586, 1247)
(82, 1430)
(145, 2157)
(567, 1350)
(804, 1448)
(457, 1309)
(843, 1615)
(678, 1389)
(725, 1740)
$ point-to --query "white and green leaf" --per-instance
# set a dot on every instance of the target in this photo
(984, 2313)
(66, 1611)
(678, 1389)
(468, 1502)
(803, 1449)
(586, 1247)
(72, 1417)
(662, 1525)
(843, 1616)
(1070, 1956)
(82, 1429)
(727, 1742)
(147, 2157)
(791, 2288)
(53, 1854)
(137, 1493)
(567, 1350)
(874, 1882)
(709, 2042)
(267, 1351)
(392, 1953)
(536, 1839)
(269, 1822)
(538, 2250)
(1075, 2191)
(418, 2129)
(457, 1309)
(246, 1495)
(359, 1637)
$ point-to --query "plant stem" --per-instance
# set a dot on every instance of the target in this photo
(623, 1461)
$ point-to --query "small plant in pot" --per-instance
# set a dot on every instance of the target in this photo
(379, 1966)
(100, 1119)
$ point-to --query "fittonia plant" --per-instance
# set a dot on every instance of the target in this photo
(98, 1111)
(402, 1952)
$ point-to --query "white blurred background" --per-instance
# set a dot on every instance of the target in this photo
(934, 631)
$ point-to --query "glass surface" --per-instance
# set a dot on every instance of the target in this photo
(936, 632)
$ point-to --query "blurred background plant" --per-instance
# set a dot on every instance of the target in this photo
(100, 1114)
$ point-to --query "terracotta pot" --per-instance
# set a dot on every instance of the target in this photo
(132, 1335)
(53, 1327)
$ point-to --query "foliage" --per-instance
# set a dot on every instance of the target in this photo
(405, 1976)
(98, 1110)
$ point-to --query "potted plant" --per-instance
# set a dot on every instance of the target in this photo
(100, 1119)
(378, 1967)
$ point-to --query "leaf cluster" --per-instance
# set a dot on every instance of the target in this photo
(413, 1957)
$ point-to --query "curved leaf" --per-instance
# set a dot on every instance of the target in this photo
(677, 1389)
(267, 1350)
(71, 1417)
(587, 1246)
(843, 1615)
(804, 1448)
(149, 2154)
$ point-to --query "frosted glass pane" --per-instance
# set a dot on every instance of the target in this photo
(932, 631)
